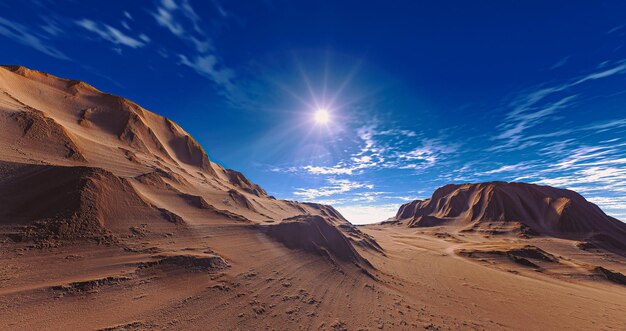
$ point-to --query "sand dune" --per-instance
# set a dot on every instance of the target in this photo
(113, 217)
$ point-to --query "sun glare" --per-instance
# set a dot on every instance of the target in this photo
(322, 116)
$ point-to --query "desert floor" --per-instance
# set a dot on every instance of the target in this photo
(420, 281)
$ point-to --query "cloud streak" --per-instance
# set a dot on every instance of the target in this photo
(113, 35)
(598, 172)
(539, 106)
(209, 66)
(366, 213)
(537, 140)
(25, 36)
(379, 149)
(180, 19)
(334, 187)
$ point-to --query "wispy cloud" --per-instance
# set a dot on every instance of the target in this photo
(603, 166)
(618, 69)
(334, 186)
(164, 16)
(367, 213)
(560, 63)
(527, 113)
(425, 156)
(540, 105)
(334, 170)
(537, 140)
(180, 18)
(615, 206)
(615, 29)
(182, 21)
(112, 34)
(25, 36)
(167, 16)
(522, 166)
(209, 66)
(385, 149)
(598, 172)
(52, 25)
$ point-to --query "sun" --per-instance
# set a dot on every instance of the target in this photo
(322, 116)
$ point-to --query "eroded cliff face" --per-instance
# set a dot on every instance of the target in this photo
(509, 206)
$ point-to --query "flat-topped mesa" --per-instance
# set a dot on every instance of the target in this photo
(501, 205)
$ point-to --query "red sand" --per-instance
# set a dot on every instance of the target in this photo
(113, 217)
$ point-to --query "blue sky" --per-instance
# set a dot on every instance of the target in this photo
(420, 93)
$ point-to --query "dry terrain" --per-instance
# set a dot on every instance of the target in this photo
(114, 218)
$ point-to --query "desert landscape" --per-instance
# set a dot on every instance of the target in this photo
(114, 218)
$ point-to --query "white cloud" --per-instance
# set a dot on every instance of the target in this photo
(25, 36)
(367, 214)
(560, 63)
(362, 159)
(507, 168)
(526, 115)
(610, 203)
(112, 34)
(334, 187)
(398, 132)
(336, 170)
(404, 198)
(419, 158)
(611, 124)
(52, 26)
(165, 18)
(374, 153)
(615, 29)
(597, 172)
(182, 21)
(209, 66)
(619, 69)
(536, 107)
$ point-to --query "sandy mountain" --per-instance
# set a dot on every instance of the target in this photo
(114, 218)
(111, 165)
(500, 206)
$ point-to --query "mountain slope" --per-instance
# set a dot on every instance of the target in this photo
(125, 165)
(505, 207)
(103, 202)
